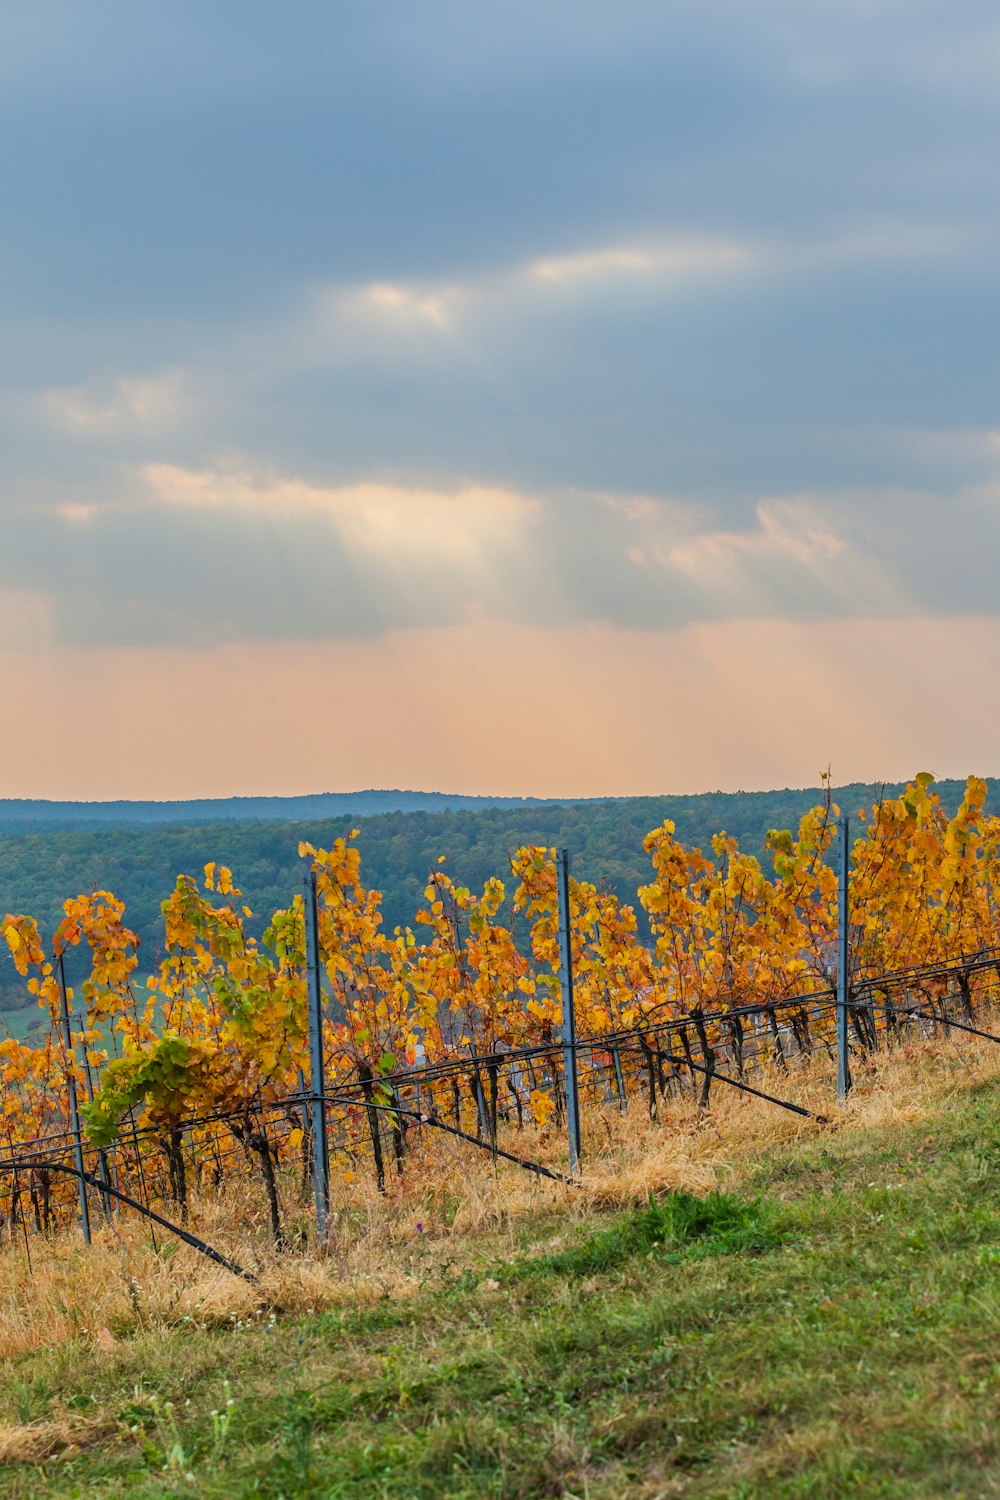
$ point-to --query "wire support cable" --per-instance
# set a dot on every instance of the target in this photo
(183, 1234)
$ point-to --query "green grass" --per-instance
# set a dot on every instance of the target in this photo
(832, 1329)
(18, 1023)
(30, 1022)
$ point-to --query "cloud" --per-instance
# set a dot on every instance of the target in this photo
(395, 525)
(201, 556)
(233, 551)
(409, 310)
(110, 409)
(646, 258)
(654, 266)
(630, 250)
(400, 305)
(787, 531)
(683, 258)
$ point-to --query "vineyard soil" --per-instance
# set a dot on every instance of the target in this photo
(823, 1322)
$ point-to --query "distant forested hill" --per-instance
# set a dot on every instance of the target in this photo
(39, 870)
(26, 816)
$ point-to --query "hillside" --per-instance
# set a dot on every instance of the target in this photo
(25, 815)
(822, 1324)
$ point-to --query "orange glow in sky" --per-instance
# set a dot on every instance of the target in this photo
(507, 710)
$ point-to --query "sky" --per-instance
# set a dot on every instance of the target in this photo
(560, 399)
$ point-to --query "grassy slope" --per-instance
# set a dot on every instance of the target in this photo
(18, 1023)
(853, 1351)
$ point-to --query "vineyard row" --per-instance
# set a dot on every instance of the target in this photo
(322, 1048)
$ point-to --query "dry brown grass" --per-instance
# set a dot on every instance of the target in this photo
(452, 1210)
(32, 1443)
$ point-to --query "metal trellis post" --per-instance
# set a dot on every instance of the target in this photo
(482, 1112)
(102, 1155)
(317, 1072)
(568, 1011)
(616, 1058)
(300, 1079)
(74, 1114)
(843, 964)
